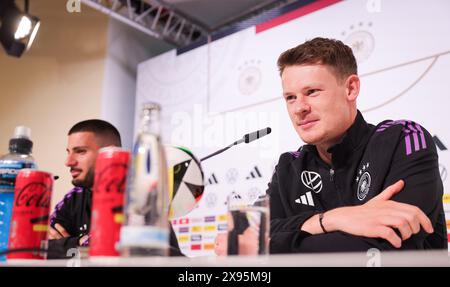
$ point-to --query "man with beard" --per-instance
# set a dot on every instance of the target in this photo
(70, 222)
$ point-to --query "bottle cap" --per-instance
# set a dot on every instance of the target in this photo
(22, 132)
(21, 142)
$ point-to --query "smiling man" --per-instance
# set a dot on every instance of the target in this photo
(353, 185)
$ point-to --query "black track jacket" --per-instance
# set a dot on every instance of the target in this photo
(364, 163)
(73, 213)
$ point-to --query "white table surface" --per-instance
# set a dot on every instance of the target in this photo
(384, 259)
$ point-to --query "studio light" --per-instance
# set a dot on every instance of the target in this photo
(17, 29)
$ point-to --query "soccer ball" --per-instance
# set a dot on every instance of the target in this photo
(185, 181)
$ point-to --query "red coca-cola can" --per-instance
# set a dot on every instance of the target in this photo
(107, 201)
(30, 214)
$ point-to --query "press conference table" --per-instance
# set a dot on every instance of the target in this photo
(384, 259)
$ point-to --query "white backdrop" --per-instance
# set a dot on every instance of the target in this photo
(216, 93)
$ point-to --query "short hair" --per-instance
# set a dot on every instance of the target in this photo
(330, 52)
(106, 132)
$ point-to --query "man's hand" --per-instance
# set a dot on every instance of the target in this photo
(221, 244)
(375, 219)
(58, 232)
(83, 239)
(248, 243)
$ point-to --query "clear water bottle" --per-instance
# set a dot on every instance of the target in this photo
(146, 228)
(19, 157)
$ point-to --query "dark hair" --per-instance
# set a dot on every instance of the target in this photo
(330, 52)
(106, 132)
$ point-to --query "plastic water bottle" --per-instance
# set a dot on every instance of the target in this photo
(19, 157)
(146, 228)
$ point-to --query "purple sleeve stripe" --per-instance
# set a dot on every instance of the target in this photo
(408, 145)
(411, 131)
(392, 123)
(295, 154)
(422, 136)
(417, 132)
(86, 243)
(401, 122)
(411, 127)
(416, 142)
(407, 127)
(60, 204)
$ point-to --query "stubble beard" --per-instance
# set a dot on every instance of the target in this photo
(87, 182)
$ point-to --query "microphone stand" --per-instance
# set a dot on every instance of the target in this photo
(247, 139)
(222, 150)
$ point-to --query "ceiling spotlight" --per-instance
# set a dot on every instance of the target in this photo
(17, 29)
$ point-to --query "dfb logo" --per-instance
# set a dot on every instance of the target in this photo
(73, 6)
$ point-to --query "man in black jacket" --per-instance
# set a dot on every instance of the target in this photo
(70, 222)
(353, 186)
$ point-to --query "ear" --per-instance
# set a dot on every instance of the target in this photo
(352, 87)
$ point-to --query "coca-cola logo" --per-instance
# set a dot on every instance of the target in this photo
(111, 179)
(34, 194)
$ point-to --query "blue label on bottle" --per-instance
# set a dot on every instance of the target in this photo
(6, 206)
(13, 165)
(8, 173)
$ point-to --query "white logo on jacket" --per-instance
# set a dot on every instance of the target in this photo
(364, 180)
(312, 180)
(305, 199)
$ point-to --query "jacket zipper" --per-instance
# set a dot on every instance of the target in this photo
(331, 174)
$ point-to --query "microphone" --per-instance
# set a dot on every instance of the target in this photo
(247, 138)
(256, 135)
